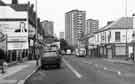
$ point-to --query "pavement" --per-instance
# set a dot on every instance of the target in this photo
(120, 61)
(83, 70)
(18, 73)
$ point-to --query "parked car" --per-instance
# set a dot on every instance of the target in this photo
(68, 52)
(50, 58)
(80, 52)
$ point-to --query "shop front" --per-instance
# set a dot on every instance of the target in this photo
(109, 49)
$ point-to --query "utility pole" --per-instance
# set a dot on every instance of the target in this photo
(126, 8)
(126, 28)
(37, 58)
(133, 37)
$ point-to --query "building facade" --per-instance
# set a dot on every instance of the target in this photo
(61, 35)
(91, 26)
(18, 22)
(74, 26)
(48, 27)
(113, 40)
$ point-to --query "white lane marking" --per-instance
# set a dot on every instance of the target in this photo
(86, 62)
(72, 69)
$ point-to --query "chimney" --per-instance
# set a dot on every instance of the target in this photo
(109, 22)
(14, 1)
(133, 15)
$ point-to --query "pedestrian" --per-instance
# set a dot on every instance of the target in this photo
(37, 56)
(2, 60)
(132, 56)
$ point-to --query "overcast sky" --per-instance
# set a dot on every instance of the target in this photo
(102, 10)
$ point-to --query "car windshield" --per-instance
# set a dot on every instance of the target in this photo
(48, 54)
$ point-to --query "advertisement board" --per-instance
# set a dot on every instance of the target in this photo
(17, 34)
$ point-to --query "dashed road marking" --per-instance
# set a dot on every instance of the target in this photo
(72, 69)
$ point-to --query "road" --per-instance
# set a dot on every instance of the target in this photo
(75, 70)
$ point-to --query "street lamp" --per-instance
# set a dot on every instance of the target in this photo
(133, 37)
(36, 33)
(126, 28)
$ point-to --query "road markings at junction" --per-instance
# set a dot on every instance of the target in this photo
(72, 69)
(104, 68)
(112, 70)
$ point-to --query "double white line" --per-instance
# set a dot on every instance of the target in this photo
(78, 75)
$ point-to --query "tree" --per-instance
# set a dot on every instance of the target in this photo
(63, 44)
(14, 1)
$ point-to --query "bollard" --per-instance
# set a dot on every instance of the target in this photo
(4, 66)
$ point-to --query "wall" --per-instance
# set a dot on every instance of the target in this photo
(123, 35)
(8, 12)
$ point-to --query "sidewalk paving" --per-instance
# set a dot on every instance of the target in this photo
(18, 73)
(120, 61)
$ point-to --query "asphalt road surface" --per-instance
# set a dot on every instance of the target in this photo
(75, 71)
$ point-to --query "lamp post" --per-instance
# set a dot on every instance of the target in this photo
(36, 34)
(133, 37)
(126, 28)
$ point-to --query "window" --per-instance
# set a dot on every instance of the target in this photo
(49, 54)
(117, 36)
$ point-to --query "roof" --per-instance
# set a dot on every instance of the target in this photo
(16, 7)
(121, 23)
(19, 7)
(86, 36)
(75, 10)
(124, 22)
(1, 2)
